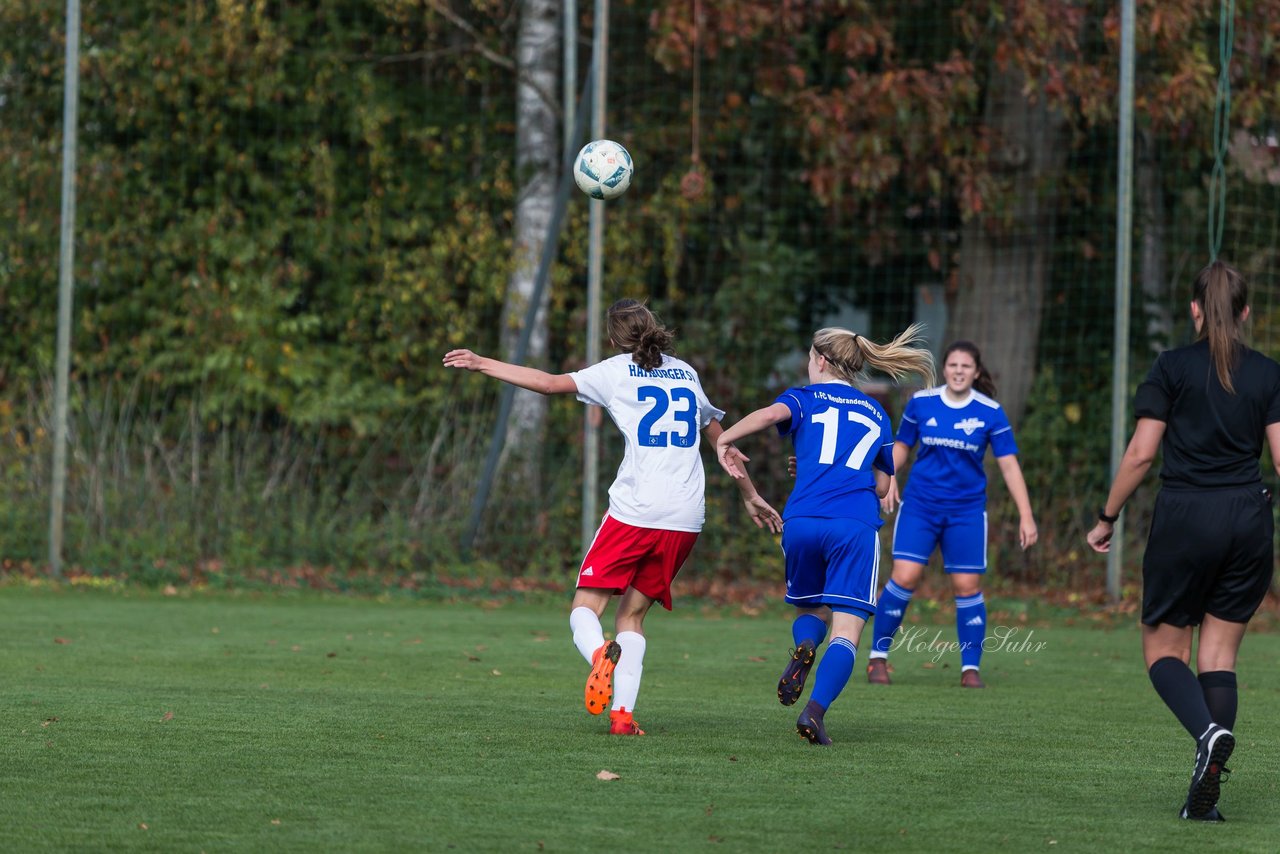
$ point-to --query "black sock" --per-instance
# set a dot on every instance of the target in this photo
(1178, 687)
(1220, 695)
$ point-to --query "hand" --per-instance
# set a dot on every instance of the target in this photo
(763, 515)
(1099, 538)
(462, 359)
(1027, 533)
(890, 501)
(729, 458)
(791, 466)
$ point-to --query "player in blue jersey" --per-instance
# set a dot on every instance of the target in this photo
(843, 442)
(1210, 553)
(945, 503)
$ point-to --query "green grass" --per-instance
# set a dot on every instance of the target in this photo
(294, 723)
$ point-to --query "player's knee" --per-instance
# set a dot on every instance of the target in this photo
(907, 576)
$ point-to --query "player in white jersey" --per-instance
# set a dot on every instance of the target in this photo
(656, 503)
(945, 503)
(844, 461)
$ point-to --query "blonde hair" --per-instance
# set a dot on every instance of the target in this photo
(848, 353)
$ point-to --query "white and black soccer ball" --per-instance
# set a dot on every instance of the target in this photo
(603, 169)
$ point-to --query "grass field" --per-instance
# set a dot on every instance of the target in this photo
(135, 721)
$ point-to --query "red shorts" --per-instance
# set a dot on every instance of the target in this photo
(647, 559)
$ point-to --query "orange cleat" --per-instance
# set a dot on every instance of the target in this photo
(621, 723)
(599, 690)
(971, 679)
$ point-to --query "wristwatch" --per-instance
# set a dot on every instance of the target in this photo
(1103, 517)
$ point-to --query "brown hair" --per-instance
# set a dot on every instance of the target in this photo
(633, 328)
(983, 381)
(848, 353)
(1223, 295)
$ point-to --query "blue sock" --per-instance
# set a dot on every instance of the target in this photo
(808, 627)
(890, 610)
(971, 628)
(833, 671)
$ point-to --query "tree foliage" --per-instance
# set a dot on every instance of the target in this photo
(289, 211)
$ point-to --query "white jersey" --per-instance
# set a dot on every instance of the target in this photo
(660, 413)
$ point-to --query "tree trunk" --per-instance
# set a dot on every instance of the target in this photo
(1004, 266)
(1151, 265)
(537, 168)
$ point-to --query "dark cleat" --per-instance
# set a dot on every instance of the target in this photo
(878, 671)
(1212, 754)
(791, 685)
(1211, 815)
(809, 724)
(971, 679)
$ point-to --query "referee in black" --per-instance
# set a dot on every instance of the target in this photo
(1208, 561)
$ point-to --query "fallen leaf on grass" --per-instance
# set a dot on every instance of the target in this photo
(48, 721)
(497, 673)
(168, 716)
(607, 775)
(276, 822)
(756, 658)
(170, 590)
(62, 640)
(330, 655)
(142, 825)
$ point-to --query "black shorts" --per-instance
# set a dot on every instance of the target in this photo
(1209, 552)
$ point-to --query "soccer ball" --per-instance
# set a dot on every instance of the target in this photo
(603, 169)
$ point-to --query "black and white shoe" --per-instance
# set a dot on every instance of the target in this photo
(1211, 815)
(1212, 754)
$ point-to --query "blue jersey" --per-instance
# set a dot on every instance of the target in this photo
(953, 439)
(839, 433)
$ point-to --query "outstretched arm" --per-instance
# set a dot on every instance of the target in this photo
(1013, 479)
(517, 375)
(1134, 465)
(760, 510)
(755, 422)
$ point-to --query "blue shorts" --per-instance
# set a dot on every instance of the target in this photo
(961, 533)
(832, 562)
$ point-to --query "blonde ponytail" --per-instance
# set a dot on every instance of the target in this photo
(848, 353)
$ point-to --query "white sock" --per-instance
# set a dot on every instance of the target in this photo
(626, 676)
(587, 634)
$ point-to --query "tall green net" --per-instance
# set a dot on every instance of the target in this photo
(289, 212)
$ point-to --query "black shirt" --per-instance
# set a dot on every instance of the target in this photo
(1212, 438)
